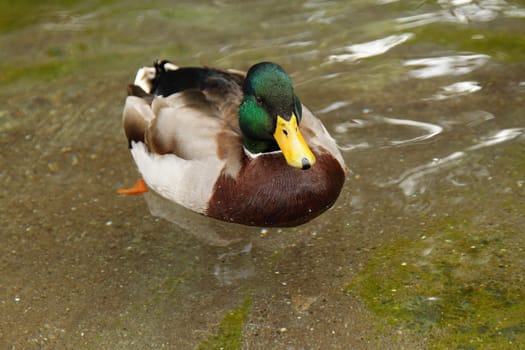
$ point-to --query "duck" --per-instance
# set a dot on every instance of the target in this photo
(231, 145)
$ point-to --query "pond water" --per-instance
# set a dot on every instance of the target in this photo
(423, 250)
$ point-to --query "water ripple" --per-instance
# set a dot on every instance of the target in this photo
(429, 131)
(67, 21)
(411, 181)
(463, 11)
(497, 138)
(333, 106)
(469, 118)
(371, 48)
(460, 88)
(445, 65)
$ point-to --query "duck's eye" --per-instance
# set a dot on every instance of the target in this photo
(258, 100)
(285, 132)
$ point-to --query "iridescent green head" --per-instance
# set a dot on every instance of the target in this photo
(270, 114)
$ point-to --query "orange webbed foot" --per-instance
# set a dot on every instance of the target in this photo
(138, 188)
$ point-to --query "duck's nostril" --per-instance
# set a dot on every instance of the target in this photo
(306, 163)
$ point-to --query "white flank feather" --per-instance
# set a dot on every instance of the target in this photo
(186, 182)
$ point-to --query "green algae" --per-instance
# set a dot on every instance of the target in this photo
(459, 287)
(164, 292)
(45, 72)
(502, 45)
(16, 15)
(229, 332)
(54, 68)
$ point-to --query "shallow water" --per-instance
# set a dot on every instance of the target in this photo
(424, 248)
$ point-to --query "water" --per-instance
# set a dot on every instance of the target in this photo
(424, 248)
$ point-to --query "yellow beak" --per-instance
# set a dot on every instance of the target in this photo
(292, 144)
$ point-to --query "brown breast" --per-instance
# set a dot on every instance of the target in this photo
(267, 192)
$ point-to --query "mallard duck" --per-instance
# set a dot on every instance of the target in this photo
(233, 146)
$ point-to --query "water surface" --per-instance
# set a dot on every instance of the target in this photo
(424, 248)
